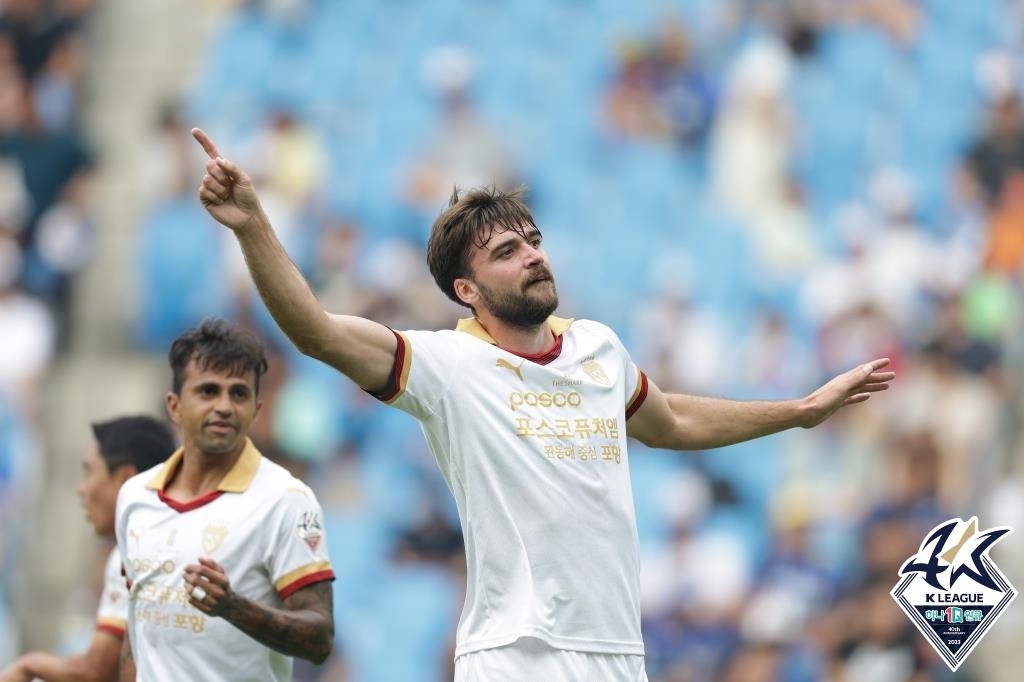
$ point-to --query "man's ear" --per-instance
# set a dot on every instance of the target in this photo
(123, 473)
(173, 403)
(467, 291)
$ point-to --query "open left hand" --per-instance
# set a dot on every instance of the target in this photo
(848, 388)
(15, 673)
(208, 587)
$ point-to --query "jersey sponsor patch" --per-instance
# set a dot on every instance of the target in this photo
(310, 529)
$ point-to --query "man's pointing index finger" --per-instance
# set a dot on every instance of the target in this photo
(204, 139)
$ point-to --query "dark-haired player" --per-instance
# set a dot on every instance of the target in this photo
(120, 449)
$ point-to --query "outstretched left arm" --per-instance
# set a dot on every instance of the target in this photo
(686, 422)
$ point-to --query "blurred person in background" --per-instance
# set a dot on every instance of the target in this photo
(463, 149)
(998, 151)
(121, 448)
(29, 335)
(562, 602)
(267, 596)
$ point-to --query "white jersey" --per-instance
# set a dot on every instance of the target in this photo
(112, 614)
(534, 451)
(262, 525)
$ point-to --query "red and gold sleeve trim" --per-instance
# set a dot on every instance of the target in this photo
(293, 581)
(114, 626)
(639, 395)
(400, 373)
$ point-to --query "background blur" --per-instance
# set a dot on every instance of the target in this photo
(755, 194)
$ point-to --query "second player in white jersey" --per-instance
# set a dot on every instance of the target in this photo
(112, 614)
(262, 525)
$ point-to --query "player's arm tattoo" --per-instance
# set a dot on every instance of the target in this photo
(304, 628)
(126, 663)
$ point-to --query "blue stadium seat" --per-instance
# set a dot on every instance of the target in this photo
(180, 272)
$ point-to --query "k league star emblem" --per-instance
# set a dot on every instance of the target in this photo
(951, 589)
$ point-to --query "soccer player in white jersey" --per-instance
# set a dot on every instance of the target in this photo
(527, 415)
(224, 551)
(121, 448)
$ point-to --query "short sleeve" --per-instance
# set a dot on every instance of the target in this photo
(298, 545)
(425, 363)
(636, 380)
(112, 615)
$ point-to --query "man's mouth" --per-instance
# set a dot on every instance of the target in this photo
(221, 427)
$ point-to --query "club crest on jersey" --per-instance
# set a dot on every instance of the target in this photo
(596, 372)
(952, 590)
(310, 529)
(213, 536)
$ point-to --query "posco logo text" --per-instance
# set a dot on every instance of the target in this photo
(517, 399)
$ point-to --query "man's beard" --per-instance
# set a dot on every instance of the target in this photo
(526, 308)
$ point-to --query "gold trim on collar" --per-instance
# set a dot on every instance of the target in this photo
(159, 482)
(237, 480)
(472, 326)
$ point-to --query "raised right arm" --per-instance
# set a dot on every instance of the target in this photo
(361, 349)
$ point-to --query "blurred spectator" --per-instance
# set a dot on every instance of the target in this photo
(782, 236)
(772, 360)
(750, 144)
(28, 338)
(631, 107)
(682, 342)
(998, 151)
(900, 19)
(1004, 252)
(964, 423)
(464, 151)
(882, 648)
(171, 164)
(682, 88)
(55, 91)
(64, 245)
(289, 154)
(48, 159)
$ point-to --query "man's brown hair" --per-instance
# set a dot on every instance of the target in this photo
(471, 219)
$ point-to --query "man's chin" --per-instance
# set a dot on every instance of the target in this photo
(219, 446)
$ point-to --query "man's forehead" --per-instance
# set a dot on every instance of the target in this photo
(204, 372)
(503, 234)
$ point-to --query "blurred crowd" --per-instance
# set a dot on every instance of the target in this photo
(755, 195)
(45, 232)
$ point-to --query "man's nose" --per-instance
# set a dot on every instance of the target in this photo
(223, 404)
(534, 255)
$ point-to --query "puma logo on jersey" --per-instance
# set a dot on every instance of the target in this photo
(502, 362)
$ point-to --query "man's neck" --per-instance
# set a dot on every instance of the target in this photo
(524, 340)
(200, 472)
